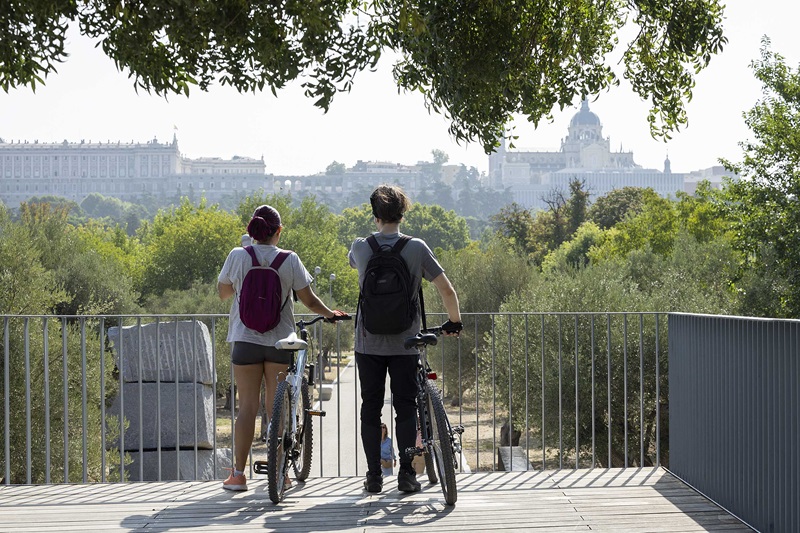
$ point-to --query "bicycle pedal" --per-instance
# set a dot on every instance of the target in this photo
(413, 450)
(315, 412)
(458, 429)
(260, 467)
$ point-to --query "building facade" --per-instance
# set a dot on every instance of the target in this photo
(127, 171)
(533, 176)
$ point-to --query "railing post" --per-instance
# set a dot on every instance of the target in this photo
(7, 400)
(84, 402)
(102, 335)
(27, 354)
(46, 366)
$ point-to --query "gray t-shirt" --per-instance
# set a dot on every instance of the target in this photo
(421, 263)
(293, 276)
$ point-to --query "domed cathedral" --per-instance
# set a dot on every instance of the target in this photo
(585, 154)
(585, 147)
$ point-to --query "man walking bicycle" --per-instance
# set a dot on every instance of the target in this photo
(390, 271)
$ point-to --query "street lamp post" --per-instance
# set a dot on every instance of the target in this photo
(317, 271)
(330, 286)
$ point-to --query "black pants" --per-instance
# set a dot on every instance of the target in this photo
(372, 376)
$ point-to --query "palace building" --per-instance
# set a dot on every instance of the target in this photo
(74, 170)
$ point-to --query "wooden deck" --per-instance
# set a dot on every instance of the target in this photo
(583, 500)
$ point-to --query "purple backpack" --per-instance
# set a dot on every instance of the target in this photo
(260, 298)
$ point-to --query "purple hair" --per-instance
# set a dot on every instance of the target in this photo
(265, 222)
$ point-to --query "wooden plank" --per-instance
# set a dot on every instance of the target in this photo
(598, 500)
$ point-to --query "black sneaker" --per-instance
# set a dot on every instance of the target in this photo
(373, 483)
(407, 481)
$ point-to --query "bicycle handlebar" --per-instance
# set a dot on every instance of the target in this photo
(302, 323)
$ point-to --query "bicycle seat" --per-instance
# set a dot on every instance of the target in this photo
(420, 340)
(292, 342)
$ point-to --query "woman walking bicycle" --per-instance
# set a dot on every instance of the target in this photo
(253, 353)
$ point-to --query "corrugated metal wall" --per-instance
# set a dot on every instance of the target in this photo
(734, 414)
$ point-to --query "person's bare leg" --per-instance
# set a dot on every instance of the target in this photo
(273, 372)
(248, 384)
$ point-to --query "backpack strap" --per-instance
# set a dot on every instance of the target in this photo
(401, 243)
(249, 250)
(398, 247)
(275, 265)
(279, 259)
(373, 243)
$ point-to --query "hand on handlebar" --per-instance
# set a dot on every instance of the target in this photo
(338, 315)
(452, 328)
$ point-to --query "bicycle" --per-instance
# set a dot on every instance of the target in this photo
(289, 437)
(440, 440)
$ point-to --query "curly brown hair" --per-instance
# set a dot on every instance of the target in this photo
(389, 203)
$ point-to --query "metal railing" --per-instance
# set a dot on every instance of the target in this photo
(735, 414)
(580, 390)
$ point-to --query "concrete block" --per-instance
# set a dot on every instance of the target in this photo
(325, 392)
(180, 465)
(183, 347)
(189, 395)
(512, 458)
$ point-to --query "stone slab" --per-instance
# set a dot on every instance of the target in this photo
(179, 465)
(189, 395)
(187, 341)
(512, 458)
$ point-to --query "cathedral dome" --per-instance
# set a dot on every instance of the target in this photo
(584, 117)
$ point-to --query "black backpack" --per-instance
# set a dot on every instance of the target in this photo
(386, 303)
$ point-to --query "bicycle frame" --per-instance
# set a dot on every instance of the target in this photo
(296, 373)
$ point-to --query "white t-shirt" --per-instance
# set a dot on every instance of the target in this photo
(294, 276)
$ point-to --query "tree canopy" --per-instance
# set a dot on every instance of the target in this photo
(477, 63)
(764, 205)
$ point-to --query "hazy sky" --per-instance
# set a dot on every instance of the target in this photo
(89, 99)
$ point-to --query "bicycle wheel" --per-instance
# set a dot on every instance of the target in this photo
(279, 442)
(442, 444)
(305, 443)
(425, 418)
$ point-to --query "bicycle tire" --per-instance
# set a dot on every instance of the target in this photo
(442, 444)
(430, 468)
(425, 419)
(305, 433)
(279, 442)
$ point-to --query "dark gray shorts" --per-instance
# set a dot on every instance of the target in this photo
(247, 353)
